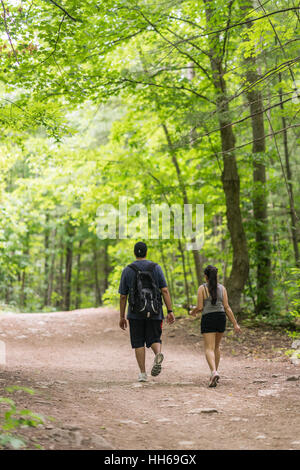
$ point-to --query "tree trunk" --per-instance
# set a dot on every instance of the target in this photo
(98, 297)
(186, 284)
(46, 265)
(194, 283)
(262, 242)
(223, 248)
(7, 291)
(61, 274)
(166, 271)
(51, 273)
(23, 295)
(68, 271)
(230, 178)
(290, 182)
(106, 266)
(262, 245)
(78, 283)
(23, 274)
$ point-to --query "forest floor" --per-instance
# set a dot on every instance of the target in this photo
(84, 374)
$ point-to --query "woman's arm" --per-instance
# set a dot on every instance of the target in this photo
(229, 312)
(199, 307)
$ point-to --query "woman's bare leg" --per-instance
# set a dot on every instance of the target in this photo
(217, 348)
(209, 347)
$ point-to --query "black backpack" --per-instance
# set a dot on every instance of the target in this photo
(144, 295)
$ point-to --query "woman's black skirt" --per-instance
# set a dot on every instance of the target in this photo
(213, 322)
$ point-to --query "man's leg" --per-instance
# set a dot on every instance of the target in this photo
(153, 335)
(137, 337)
(140, 355)
(156, 348)
(153, 339)
(209, 347)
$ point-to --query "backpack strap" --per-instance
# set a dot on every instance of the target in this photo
(205, 288)
(151, 266)
(134, 267)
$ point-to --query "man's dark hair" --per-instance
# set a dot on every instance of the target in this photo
(140, 249)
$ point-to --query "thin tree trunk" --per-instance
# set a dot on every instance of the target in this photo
(172, 277)
(262, 242)
(60, 278)
(166, 271)
(230, 178)
(224, 254)
(68, 271)
(98, 297)
(78, 282)
(262, 245)
(194, 283)
(290, 182)
(46, 251)
(8, 290)
(23, 295)
(23, 274)
(106, 265)
(186, 284)
(51, 273)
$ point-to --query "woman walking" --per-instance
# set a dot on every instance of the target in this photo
(212, 300)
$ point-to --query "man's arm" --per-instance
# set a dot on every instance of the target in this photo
(167, 299)
(123, 302)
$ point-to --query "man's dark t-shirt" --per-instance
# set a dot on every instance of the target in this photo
(128, 277)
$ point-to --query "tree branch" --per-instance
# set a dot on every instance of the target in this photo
(7, 32)
(251, 141)
(282, 48)
(171, 87)
(62, 9)
(240, 120)
(217, 31)
(227, 29)
(56, 42)
(172, 44)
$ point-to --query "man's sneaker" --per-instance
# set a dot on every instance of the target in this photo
(156, 369)
(142, 377)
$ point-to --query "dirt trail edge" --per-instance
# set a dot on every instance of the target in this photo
(84, 373)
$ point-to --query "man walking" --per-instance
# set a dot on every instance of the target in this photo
(143, 282)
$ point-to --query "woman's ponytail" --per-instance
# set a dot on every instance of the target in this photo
(211, 272)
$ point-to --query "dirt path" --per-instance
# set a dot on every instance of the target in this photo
(84, 373)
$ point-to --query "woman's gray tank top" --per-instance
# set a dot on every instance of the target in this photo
(218, 307)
